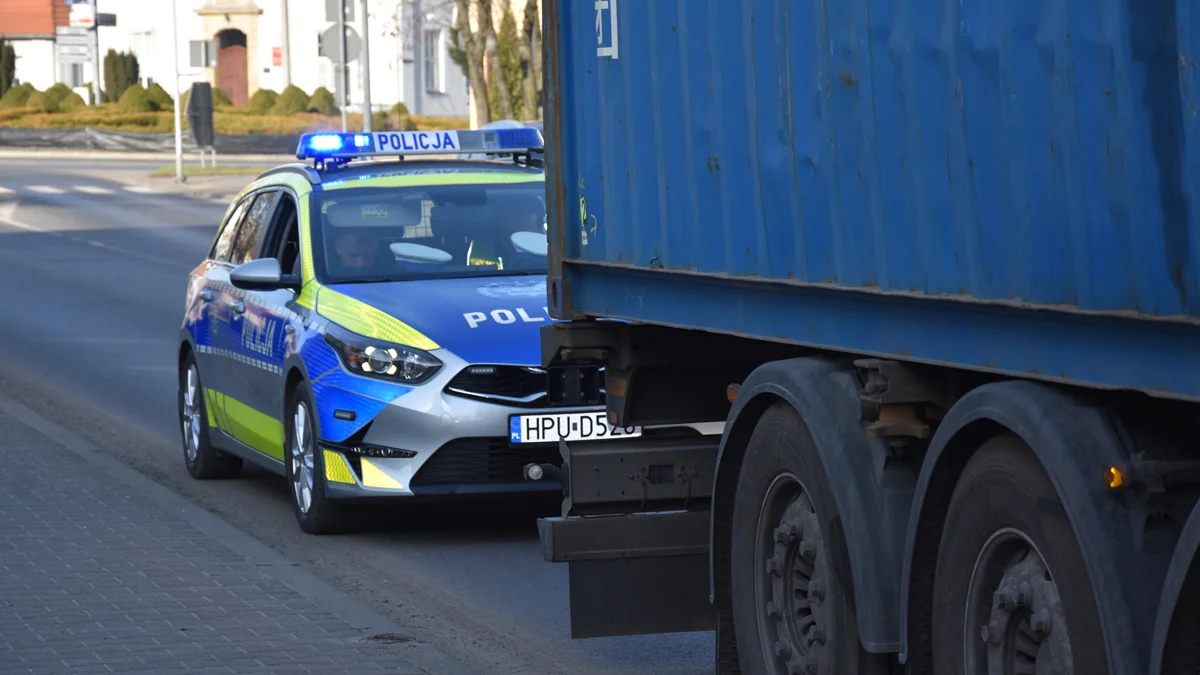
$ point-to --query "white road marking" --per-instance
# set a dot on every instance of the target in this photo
(140, 189)
(93, 189)
(5, 191)
(46, 189)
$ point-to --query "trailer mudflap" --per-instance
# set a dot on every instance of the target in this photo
(633, 574)
(634, 534)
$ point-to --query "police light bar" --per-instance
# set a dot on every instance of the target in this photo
(357, 145)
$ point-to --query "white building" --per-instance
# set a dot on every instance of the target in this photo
(243, 45)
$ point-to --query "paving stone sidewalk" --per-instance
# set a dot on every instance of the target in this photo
(96, 577)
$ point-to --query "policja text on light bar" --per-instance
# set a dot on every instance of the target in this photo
(355, 145)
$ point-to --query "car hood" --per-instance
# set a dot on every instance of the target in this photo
(489, 320)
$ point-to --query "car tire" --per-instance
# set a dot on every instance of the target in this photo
(203, 461)
(793, 605)
(1011, 586)
(305, 469)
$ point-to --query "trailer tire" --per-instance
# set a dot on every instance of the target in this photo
(793, 601)
(1010, 583)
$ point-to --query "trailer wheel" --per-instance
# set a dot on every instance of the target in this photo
(792, 601)
(1181, 653)
(1012, 594)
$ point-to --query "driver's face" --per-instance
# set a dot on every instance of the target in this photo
(355, 251)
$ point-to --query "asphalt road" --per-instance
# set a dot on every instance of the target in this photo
(92, 280)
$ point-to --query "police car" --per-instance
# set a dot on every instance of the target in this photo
(370, 329)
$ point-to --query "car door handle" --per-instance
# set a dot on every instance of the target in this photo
(239, 306)
(206, 295)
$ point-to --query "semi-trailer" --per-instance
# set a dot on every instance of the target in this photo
(933, 266)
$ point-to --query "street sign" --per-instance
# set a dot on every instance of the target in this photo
(199, 114)
(329, 45)
(73, 53)
(331, 9)
(71, 30)
(103, 19)
(83, 15)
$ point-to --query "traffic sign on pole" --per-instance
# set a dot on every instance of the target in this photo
(328, 44)
(83, 15)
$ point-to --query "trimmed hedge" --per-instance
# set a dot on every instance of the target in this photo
(322, 102)
(262, 101)
(40, 102)
(135, 100)
(159, 97)
(72, 103)
(293, 100)
(108, 116)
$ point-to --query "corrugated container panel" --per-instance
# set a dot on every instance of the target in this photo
(1010, 151)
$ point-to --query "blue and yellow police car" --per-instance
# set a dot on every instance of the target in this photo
(366, 325)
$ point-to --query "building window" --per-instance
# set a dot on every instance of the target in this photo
(433, 61)
(202, 53)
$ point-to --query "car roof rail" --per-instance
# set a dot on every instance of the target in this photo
(309, 173)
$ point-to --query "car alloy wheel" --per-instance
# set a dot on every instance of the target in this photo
(191, 414)
(302, 458)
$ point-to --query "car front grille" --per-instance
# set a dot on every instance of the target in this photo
(517, 386)
(480, 461)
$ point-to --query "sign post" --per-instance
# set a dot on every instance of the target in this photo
(365, 68)
(200, 118)
(343, 66)
(178, 113)
(79, 42)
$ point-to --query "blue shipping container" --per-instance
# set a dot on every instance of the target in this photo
(995, 184)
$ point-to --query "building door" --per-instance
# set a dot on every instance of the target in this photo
(232, 73)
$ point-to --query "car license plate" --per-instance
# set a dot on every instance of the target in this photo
(589, 426)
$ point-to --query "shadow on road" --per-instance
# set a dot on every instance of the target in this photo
(503, 518)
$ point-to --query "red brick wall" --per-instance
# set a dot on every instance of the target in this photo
(32, 17)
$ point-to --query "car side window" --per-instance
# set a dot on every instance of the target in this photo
(224, 242)
(287, 237)
(249, 238)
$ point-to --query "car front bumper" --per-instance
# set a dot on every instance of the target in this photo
(459, 446)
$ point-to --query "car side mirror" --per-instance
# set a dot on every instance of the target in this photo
(263, 274)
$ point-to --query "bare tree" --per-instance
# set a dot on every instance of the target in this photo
(531, 59)
(468, 47)
(404, 23)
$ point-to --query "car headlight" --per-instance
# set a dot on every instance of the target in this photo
(375, 358)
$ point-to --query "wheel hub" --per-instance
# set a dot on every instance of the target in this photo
(1024, 632)
(191, 415)
(798, 607)
(302, 458)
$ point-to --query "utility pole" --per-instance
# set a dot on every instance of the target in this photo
(365, 68)
(287, 52)
(343, 67)
(418, 43)
(179, 102)
(96, 52)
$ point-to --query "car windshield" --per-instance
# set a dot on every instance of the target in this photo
(429, 232)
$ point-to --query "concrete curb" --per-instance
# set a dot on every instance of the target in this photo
(375, 626)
